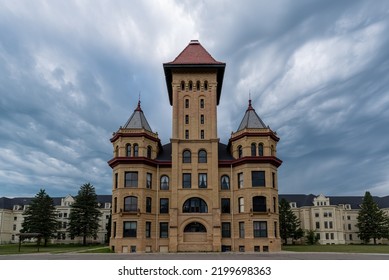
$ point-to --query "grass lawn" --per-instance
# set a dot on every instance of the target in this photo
(28, 248)
(380, 249)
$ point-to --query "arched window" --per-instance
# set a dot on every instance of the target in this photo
(182, 85)
(202, 156)
(195, 227)
(240, 151)
(186, 103)
(136, 150)
(198, 85)
(130, 204)
(164, 185)
(195, 205)
(116, 152)
(186, 156)
(190, 85)
(260, 149)
(259, 204)
(128, 150)
(149, 150)
(202, 103)
(206, 85)
(225, 182)
(253, 149)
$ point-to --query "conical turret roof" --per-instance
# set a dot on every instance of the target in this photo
(251, 119)
(138, 120)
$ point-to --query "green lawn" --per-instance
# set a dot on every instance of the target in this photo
(380, 249)
(29, 248)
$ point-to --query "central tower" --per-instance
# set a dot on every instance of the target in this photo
(194, 80)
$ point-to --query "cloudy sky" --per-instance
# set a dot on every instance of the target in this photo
(71, 73)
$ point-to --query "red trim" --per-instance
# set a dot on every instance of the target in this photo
(132, 134)
(258, 159)
(138, 160)
(271, 134)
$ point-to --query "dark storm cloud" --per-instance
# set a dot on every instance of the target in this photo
(71, 74)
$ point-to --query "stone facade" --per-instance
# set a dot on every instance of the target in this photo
(194, 193)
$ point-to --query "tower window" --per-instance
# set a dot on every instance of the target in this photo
(131, 179)
(240, 152)
(130, 204)
(258, 179)
(202, 136)
(202, 103)
(198, 85)
(206, 85)
(202, 119)
(149, 151)
(260, 149)
(186, 134)
(202, 156)
(259, 204)
(187, 103)
(182, 85)
(186, 119)
(190, 85)
(253, 149)
(136, 150)
(129, 229)
(225, 182)
(187, 180)
(203, 180)
(186, 156)
(128, 150)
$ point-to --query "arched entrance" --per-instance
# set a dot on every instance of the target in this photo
(195, 232)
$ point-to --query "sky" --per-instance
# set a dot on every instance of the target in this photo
(72, 72)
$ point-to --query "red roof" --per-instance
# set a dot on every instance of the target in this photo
(194, 53)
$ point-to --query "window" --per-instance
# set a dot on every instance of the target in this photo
(241, 229)
(258, 178)
(131, 204)
(128, 150)
(226, 229)
(260, 149)
(186, 103)
(202, 156)
(195, 205)
(186, 119)
(186, 134)
(202, 135)
(198, 85)
(349, 226)
(259, 204)
(114, 229)
(164, 230)
(240, 152)
(241, 204)
(116, 180)
(274, 205)
(148, 204)
(136, 150)
(182, 85)
(273, 179)
(190, 85)
(272, 152)
(149, 151)
(164, 182)
(131, 179)
(195, 227)
(149, 180)
(116, 151)
(240, 180)
(316, 215)
(260, 229)
(129, 229)
(275, 229)
(201, 119)
(253, 149)
(202, 180)
(206, 85)
(187, 180)
(202, 103)
(115, 204)
(186, 156)
(148, 230)
(225, 205)
(225, 182)
(164, 205)
(317, 225)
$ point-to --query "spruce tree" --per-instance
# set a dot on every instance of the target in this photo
(372, 221)
(84, 214)
(41, 217)
(289, 223)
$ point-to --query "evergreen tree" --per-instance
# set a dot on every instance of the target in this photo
(289, 223)
(40, 216)
(311, 237)
(84, 214)
(372, 221)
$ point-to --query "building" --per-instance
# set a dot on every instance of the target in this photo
(194, 193)
(333, 218)
(11, 218)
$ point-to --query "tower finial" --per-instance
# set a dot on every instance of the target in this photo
(250, 107)
(138, 108)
